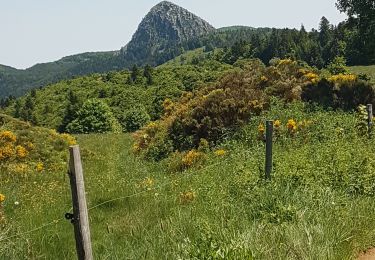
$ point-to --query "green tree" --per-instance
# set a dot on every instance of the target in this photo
(135, 118)
(95, 116)
(325, 38)
(338, 66)
(147, 73)
(27, 111)
(361, 17)
(135, 73)
(70, 111)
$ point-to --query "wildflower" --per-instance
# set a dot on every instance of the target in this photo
(291, 125)
(16, 203)
(19, 168)
(312, 77)
(343, 78)
(264, 79)
(277, 123)
(69, 139)
(191, 158)
(261, 129)
(220, 152)
(285, 62)
(6, 151)
(2, 198)
(40, 166)
(8, 136)
(147, 183)
(21, 151)
(187, 197)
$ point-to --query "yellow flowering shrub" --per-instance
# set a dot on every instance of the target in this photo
(19, 168)
(291, 125)
(261, 129)
(2, 198)
(69, 139)
(263, 78)
(286, 62)
(7, 136)
(39, 166)
(277, 124)
(192, 158)
(187, 197)
(6, 151)
(220, 152)
(340, 78)
(312, 77)
(21, 151)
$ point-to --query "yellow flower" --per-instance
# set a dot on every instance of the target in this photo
(191, 158)
(40, 166)
(187, 197)
(69, 139)
(342, 78)
(21, 151)
(261, 128)
(147, 183)
(264, 78)
(286, 62)
(277, 123)
(8, 136)
(21, 168)
(220, 152)
(2, 198)
(291, 125)
(6, 151)
(312, 77)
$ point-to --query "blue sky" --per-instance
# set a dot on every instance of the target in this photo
(46, 30)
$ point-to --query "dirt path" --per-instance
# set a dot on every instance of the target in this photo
(367, 255)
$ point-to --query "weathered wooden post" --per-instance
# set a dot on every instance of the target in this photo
(269, 133)
(369, 118)
(80, 213)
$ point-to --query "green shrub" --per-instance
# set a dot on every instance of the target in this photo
(95, 116)
(340, 91)
(134, 118)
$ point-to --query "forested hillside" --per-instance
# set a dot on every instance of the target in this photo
(161, 37)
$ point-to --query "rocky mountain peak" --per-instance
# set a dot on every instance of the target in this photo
(166, 24)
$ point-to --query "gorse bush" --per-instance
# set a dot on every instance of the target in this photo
(26, 150)
(214, 112)
(340, 91)
(95, 116)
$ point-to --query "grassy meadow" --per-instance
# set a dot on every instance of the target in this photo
(368, 70)
(319, 204)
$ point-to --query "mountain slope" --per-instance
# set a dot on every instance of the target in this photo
(166, 25)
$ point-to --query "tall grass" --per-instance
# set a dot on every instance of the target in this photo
(319, 204)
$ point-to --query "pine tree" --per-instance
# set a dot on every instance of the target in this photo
(70, 111)
(147, 73)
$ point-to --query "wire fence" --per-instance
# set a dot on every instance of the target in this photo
(59, 220)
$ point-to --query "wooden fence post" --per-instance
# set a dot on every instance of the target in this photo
(80, 212)
(369, 118)
(269, 133)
